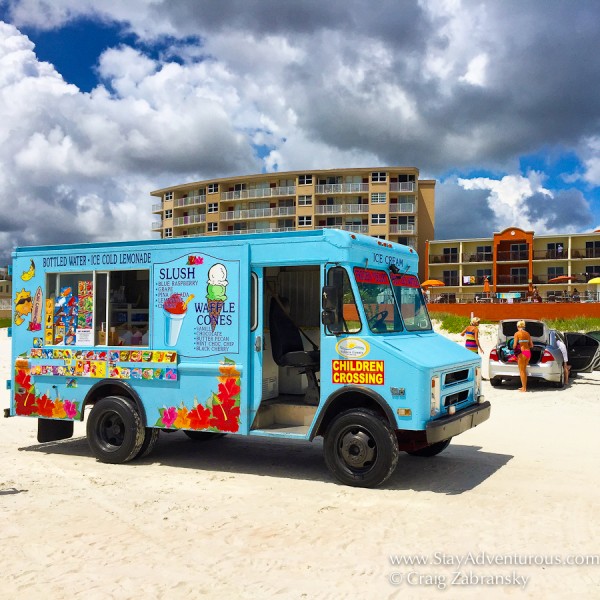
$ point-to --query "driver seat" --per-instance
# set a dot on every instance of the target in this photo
(288, 349)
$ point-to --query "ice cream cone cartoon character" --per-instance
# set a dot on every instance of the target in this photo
(215, 292)
(23, 306)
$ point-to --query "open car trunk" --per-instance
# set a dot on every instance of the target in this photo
(507, 355)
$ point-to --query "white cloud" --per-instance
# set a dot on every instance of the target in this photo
(507, 198)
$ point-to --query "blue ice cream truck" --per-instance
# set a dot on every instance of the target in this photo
(291, 335)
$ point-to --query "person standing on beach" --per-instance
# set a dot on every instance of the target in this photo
(471, 335)
(522, 345)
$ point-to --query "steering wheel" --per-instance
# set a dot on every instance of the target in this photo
(377, 321)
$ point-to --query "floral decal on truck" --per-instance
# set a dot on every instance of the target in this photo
(222, 410)
(30, 403)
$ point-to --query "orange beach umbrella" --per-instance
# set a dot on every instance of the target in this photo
(433, 283)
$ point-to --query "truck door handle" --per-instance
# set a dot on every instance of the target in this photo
(258, 344)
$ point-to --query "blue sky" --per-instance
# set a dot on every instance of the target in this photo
(100, 103)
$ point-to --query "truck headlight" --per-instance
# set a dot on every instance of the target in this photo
(435, 396)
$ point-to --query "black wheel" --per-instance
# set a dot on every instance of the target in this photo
(560, 384)
(496, 381)
(202, 436)
(114, 430)
(150, 438)
(360, 448)
(431, 450)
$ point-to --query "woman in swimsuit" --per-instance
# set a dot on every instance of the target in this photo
(471, 335)
(523, 339)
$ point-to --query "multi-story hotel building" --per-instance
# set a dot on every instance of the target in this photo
(386, 202)
(515, 262)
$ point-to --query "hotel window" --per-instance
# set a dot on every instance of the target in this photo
(555, 272)
(378, 219)
(212, 188)
(518, 275)
(168, 196)
(592, 249)
(305, 221)
(405, 178)
(483, 253)
(450, 255)
(304, 200)
(168, 232)
(213, 207)
(212, 227)
(378, 177)
(305, 180)
(518, 252)
(482, 273)
(379, 198)
(450, 277)
(169, 213)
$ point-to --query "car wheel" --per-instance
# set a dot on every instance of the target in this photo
(360, 448)
(496, 381)
(150, 439)
(560, 384)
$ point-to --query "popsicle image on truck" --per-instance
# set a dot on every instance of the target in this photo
(291, 335)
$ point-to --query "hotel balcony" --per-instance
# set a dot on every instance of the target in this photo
(512, 256)
(342, 188)
(403, 229)
(289, 190)
(157, 225)
(338, 209)
(403, 186)
(190, 201)
(477, 256)
(257, 213)
(262, 230)
(443, 258)
(402, 207)
(352, 228)
(157, 208)
(189, 220)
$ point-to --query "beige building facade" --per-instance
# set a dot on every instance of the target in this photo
(390, 203)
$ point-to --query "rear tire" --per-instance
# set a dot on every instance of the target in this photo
(202, 436)
(560, 384)
(150, 439)
(360, 448)
(115, 431)
(496, 381)
(431, 450)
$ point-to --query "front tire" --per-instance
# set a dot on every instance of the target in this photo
(115, 431)
(431, 450)
(360, 448)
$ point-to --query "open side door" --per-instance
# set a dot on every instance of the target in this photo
(583, 351)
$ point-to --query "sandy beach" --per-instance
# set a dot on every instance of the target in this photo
(253, 518)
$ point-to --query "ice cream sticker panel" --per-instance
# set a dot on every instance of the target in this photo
(197, 305)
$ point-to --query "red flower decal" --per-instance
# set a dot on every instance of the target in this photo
(25, 403)
(228, 389)
(45, 406)
(199, 417)
(225, 415)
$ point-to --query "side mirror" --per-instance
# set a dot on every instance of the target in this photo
(328, 317)
(330, 298)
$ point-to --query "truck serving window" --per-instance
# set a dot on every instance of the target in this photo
(378, 300)
(97, 308)
(412, 304)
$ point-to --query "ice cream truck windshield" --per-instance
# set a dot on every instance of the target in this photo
(391, 306)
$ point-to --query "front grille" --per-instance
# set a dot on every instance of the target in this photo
(456, 377)
(456, 398)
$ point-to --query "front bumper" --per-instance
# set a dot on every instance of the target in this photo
(447, 427)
